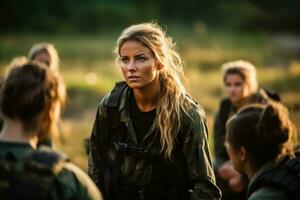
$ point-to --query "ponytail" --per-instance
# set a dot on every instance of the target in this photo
(265, 131)
(276, 129)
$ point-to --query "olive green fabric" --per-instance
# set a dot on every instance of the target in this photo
(69, 183)
(190, 168)
(265, 193)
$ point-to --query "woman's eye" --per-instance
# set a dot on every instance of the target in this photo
(141, 59)
(124, 60)
(227, 85)
(238, 84)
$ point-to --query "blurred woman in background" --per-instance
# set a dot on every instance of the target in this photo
(241, 89)
(47, 54)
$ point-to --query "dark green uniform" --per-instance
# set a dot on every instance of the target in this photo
(69, 183)
(141, 171)
(265, 193)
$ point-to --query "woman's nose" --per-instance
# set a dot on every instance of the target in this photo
(132, 66)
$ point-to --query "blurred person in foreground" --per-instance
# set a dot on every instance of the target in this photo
(30, 103)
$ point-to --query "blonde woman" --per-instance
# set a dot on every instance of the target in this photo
(149, 139)
(241, 88)
(45, 53)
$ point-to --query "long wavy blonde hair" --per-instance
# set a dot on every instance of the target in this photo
(173, 103)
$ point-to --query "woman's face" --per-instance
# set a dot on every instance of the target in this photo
(235, 157)
(235, 88)
(138, 64)
(43, 57)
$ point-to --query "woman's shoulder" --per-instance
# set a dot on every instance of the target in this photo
(115, 97)
(261, 96)
(194, 116)
(268, 193)
(193, 108)
(76, 183)
(225, 103)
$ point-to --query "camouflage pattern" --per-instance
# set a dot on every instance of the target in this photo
(191, 162)
(69, 183)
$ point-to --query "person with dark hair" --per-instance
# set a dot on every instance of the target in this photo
(150, 138)
(30, 103)
(258, 138)
(241, 88)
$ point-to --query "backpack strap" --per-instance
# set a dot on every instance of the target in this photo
(286, 176)
(115, 95)
(46, 160)
(111, 172)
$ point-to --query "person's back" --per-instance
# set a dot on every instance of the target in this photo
(29, 98)
(41, 174)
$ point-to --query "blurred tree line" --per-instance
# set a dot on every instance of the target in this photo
(99, 15)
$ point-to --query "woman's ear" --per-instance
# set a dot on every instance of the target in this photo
(243, 154)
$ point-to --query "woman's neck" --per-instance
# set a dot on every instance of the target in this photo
(13, 131)
(250, 170)
(147, 97)
(242, 102)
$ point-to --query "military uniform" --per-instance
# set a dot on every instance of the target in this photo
(226, 110)
(68, 183)
(265, 193)
(141, 171)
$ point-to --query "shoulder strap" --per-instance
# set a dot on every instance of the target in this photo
(286, 177)
(46, 160)
(114, 97)
(113, 103)
(111, 171)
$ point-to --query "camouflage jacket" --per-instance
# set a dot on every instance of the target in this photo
(226, 110)
(69, 182)
(145, 173)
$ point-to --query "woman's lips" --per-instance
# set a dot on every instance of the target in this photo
(133, 78)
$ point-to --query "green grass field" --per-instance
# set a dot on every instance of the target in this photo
(88, 68)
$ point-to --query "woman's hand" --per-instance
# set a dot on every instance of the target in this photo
(235, 179)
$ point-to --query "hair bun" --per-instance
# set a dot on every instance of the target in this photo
(271, 123)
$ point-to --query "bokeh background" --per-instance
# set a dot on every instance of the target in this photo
(208, 33)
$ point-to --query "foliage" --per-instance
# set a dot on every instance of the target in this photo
(100, 15)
